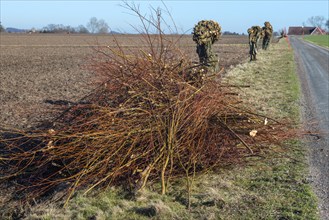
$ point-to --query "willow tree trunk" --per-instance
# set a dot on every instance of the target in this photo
(207, 57)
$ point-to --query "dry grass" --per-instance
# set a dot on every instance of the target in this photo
(270, 81)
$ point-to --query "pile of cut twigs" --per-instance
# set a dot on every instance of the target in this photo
(155, 116)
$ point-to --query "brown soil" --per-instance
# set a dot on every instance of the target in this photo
(41, 71)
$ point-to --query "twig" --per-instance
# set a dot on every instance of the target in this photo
(236, 135)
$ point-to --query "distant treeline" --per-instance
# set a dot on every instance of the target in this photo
(94, 26)
(59, 28)
(50, 28)
(231, 33)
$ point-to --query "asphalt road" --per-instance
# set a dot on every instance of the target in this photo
(313, 69)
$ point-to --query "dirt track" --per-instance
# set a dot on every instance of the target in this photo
(313, 69)
(39, 71)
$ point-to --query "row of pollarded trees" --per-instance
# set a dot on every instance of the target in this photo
(255, 34)
(206, 32)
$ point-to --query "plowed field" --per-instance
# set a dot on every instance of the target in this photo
(40, 71)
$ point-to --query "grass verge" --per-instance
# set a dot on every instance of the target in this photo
(322, 40)
(269, 186)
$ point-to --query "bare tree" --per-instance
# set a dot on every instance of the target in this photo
(97, 26)
(92, 25)
(82, 29)
(327, 25)
(2, 29)
(316, 21)
(103, 27)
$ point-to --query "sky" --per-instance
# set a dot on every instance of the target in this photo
(234, 16)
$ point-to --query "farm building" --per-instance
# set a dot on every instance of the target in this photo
(305, 31)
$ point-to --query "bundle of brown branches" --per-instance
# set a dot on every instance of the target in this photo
(154, 117)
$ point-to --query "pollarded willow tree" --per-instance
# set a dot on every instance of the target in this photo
(267, 35)
(205, 34)
(255, 33)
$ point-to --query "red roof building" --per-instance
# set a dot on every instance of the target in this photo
(305, 31)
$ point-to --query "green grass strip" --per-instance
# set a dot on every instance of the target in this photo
(322, 40)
